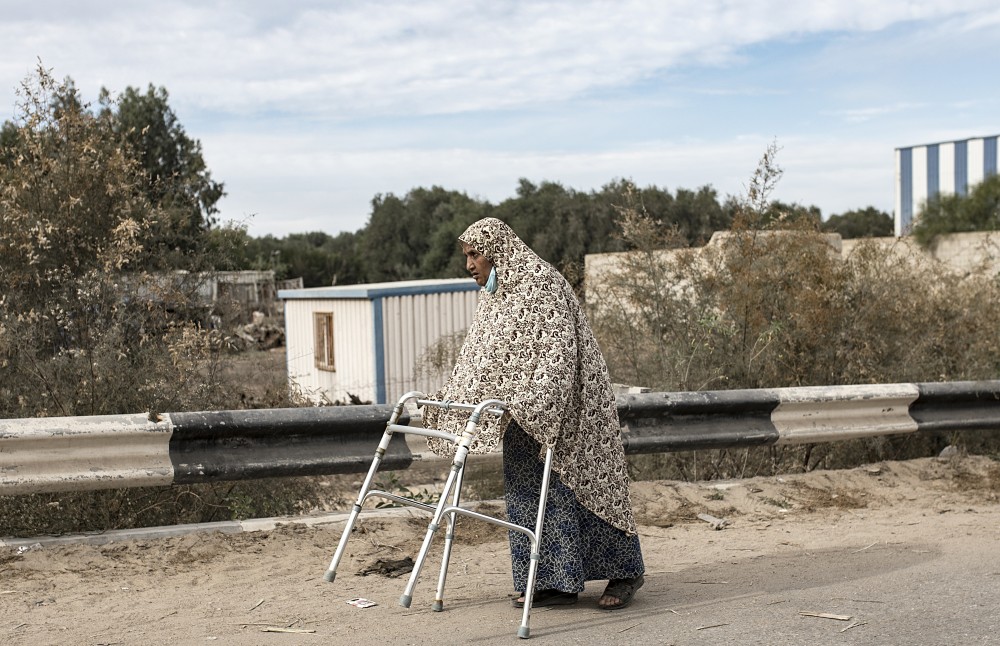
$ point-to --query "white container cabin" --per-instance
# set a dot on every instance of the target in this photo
(366, 340)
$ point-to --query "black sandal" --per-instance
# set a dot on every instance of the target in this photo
(545, 598)
(623, 590)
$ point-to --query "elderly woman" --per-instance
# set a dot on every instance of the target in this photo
(531, 346)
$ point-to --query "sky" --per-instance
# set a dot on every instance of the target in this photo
(307, 110)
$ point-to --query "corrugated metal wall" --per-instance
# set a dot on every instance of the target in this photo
(949, 167)
(410, 324)
(353, 344)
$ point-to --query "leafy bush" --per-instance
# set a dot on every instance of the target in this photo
(943, 213)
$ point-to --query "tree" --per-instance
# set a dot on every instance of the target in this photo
(780, 215)
(952, 213)
(320, 259)
(860, 223)
(178, 181)
(82, 330)
(416, 236)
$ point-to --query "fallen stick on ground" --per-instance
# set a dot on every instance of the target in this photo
(824, 615)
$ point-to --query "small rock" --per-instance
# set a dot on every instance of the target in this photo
(949, 451)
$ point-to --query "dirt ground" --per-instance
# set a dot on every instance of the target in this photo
(785, 538)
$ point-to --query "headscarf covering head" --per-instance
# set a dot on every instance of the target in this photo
(497, 241)
(530, 345)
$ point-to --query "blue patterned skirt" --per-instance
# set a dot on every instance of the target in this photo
(577, 546)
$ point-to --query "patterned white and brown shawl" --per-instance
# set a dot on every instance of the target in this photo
(531, 346)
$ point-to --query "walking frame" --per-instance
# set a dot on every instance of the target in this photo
(452, 490)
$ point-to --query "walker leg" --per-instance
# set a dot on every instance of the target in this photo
(331, 572)
(449, 539)
(449, 485)
(536, 544)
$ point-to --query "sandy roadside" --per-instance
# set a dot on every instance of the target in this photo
(786, 539)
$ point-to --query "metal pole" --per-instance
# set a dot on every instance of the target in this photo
(536, 546)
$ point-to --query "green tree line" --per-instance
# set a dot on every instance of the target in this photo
(406, 237)
(414, 236)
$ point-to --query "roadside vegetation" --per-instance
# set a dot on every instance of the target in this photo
(99, 250)
(978, 210)
(772, 304)
(108, 216)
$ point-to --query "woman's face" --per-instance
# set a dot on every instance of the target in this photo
(477, 264)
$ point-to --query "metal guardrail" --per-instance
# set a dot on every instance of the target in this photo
(685, 421)
(52, 454)
(116, 451)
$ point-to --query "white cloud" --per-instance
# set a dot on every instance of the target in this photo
(305, 109)
(403, 57)
(872, 112)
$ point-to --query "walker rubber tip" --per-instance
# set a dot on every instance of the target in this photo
(523, 632)
(329, 576)
(438, 606)
(405, 600)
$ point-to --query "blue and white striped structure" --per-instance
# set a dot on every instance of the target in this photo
(946, 167)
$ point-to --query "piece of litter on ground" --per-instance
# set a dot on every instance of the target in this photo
(257, 605)
(825, 615)
(388, 567)
(712, 626)
(713, 522)
(278, 629)
(361, 602)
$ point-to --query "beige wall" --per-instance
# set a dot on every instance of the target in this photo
(965, 253)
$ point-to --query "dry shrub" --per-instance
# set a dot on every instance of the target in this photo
(994, 478)
(813, 498)
(85, 330)
(772, 304)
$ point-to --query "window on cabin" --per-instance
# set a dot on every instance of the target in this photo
(323, 348)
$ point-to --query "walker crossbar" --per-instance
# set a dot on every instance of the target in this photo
(426, 432)
(462, 511)
(449, 405)
(452, 489)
